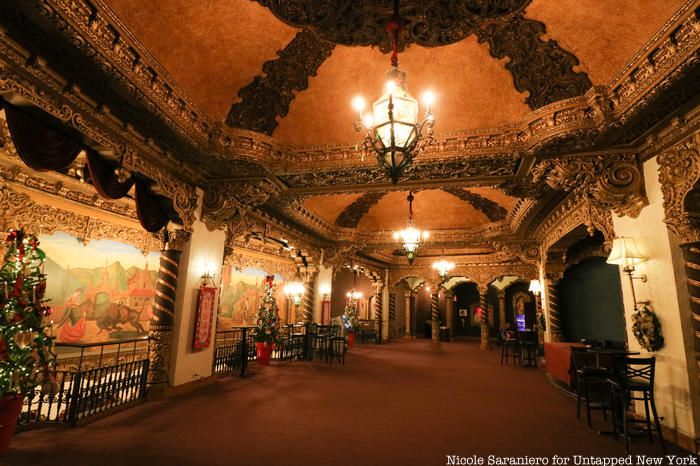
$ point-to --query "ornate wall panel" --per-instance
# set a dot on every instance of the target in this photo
(17, 210)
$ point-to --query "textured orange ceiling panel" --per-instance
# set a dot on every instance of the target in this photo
(472, 89)
(603, 34)
(211, 48)
(330, 206)
(432, 210)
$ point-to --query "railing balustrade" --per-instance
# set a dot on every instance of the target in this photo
(89, 379)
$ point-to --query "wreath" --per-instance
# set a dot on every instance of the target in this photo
(647, 329)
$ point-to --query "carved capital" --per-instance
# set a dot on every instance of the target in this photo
(229, 202)
(612, 182)
(679, 173)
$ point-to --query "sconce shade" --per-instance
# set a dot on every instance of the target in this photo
(535, 287)
(625, 252)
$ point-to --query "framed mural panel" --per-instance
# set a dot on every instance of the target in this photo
(206, 305)
(241, 295)
(100, 290)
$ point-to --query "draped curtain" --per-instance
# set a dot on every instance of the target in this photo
(44, 148)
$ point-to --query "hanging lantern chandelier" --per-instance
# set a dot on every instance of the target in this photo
(393, 129)
(443, 267)
(410, 237)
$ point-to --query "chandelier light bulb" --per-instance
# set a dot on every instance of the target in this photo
(390, 86)
(358, 103)
(428, 100)
(367, 120)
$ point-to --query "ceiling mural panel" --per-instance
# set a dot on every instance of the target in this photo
(472, 90)
(352, 214)
(433, 209)
(329, 207)
(211, 48)
(604, 35)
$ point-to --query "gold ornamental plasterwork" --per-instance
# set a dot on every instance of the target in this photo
(242, 258)
(609, 181)
(481, 274)
(570, 214)
(679, 174)
(17, 210)
(30, 79)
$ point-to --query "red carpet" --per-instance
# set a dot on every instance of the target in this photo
(399, 404)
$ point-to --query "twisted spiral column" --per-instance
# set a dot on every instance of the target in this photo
(378, 304)
(435, 315)
(691, 254)
(392, 315)
(485, 334)
(553, 310)
(307, 310)
(160, 326)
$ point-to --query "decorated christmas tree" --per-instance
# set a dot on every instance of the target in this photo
(350, 316)
(26, 356)
(267, 320)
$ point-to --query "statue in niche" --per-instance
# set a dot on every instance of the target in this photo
(520, 301)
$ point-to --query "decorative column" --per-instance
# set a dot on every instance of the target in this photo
(553, 310)
(435, 314)
(160, 326)
(392, 308)
(449, 312)
(409, 312)
(308, 303)
(483, 305)
(502, 308)
(378, 309)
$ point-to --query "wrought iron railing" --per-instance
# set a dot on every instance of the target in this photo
(89, 380)
(369, 332)
(232, 351)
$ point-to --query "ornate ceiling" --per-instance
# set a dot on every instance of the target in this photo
(250, 101)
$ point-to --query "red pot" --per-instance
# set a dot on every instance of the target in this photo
(264, 352)
(351, 339)
(10, 408)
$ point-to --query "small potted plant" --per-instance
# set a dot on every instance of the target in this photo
(26, 357)
(266, 332)
(351, 321)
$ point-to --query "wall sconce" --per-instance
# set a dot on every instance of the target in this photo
(207, 278)
(625, 253)
(325, 290)
(354, 295)
(295, 291)
(535, 287)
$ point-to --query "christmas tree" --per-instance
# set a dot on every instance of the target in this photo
(26, 357)
(350, 316)
(267, 320)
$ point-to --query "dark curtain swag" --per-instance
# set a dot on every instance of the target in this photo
(103, 177)
(43, 148)
(39, 146)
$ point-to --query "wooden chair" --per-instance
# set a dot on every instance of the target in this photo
(589, 379)
(634, 381)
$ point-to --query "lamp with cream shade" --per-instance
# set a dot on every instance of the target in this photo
(626, 253)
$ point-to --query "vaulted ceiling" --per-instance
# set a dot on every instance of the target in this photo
(250, 100)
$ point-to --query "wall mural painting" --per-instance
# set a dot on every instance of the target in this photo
(241, 293)
(99, 290)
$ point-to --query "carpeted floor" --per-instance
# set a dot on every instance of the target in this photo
(407, 403)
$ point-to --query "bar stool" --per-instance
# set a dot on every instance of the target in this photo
(527, 348)
(588, 376)
(509, 347)
(634, 381)
(336, 346)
